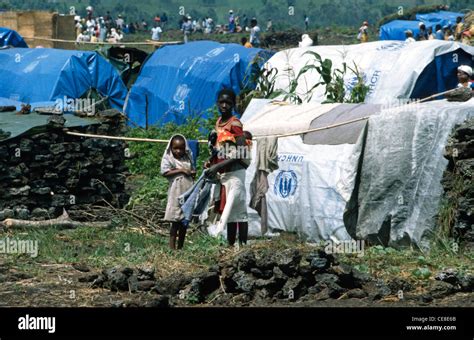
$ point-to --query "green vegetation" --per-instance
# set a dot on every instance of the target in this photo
(146, 157)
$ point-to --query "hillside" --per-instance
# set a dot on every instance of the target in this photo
(320, 12)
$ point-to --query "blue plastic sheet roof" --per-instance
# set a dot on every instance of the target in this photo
(181, 81)
(43, 75)
(10, 37)
(442, 18)
(395, 30)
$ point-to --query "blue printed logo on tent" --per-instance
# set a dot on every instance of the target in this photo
(215, 52)
(351, 83)
(392, 46)
(286, 183)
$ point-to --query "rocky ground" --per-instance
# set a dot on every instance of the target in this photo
(248, 278)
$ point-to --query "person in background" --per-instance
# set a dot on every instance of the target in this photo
(466, 38)
(187, 28)
(409, 36)
(448, 34)
(177, 167)
(431, 35)
(244, 41)
(269, 25)
(231, 22)
(78, 25)
(306, 22)
(423, 34)
(119, 23)
(83, 37)
(464, 75)
(245, 22)
(254, 33)
(459, 28)
(306, 41)
(115, 36)
(164, 20)
(102, 30)
(156, 32)
(439, 32)
(363, 35)
(144, 25)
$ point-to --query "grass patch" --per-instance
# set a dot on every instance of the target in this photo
(101, 248)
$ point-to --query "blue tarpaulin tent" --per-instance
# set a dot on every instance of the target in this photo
(442, 18)
(180, 81)
(45, 75)
(395, 30)
(10, 37)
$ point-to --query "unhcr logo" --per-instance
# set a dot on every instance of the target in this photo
(345, 247)
(286, 183)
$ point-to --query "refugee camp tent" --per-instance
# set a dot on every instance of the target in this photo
(378, 180)
(10, 37)
(395, 30)
(393, 70)
(45, 75)
(183, 80)
(443, 18)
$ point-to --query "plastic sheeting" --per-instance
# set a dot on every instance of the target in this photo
(400, 181)
(395, 30)
(20, 124)
(385, 188)
(311, 188)
(10, 37)
(442, 18)
(43, 74)
(392, 69)
(182, 81)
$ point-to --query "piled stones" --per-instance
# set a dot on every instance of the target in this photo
(265, 278)
(42, 173)
(458, 180)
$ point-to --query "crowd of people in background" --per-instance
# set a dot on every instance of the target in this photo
(456, 32)
(93, 28)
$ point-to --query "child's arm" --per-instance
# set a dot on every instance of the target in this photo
(187, 172)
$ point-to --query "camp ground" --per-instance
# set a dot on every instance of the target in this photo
(126, 178)
(394, 70)
(328, 182)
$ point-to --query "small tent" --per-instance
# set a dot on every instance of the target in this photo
(395, 30)
(10, 37)
(393, 70)
(183, 80)
(46, 75)
(378, 179)
(443, 18)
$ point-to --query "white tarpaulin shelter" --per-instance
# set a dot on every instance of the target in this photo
(311, 188)
(385, 186)
(394, 70)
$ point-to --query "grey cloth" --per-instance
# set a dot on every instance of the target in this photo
(266, 162)
(344, 134)
(194, 201)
